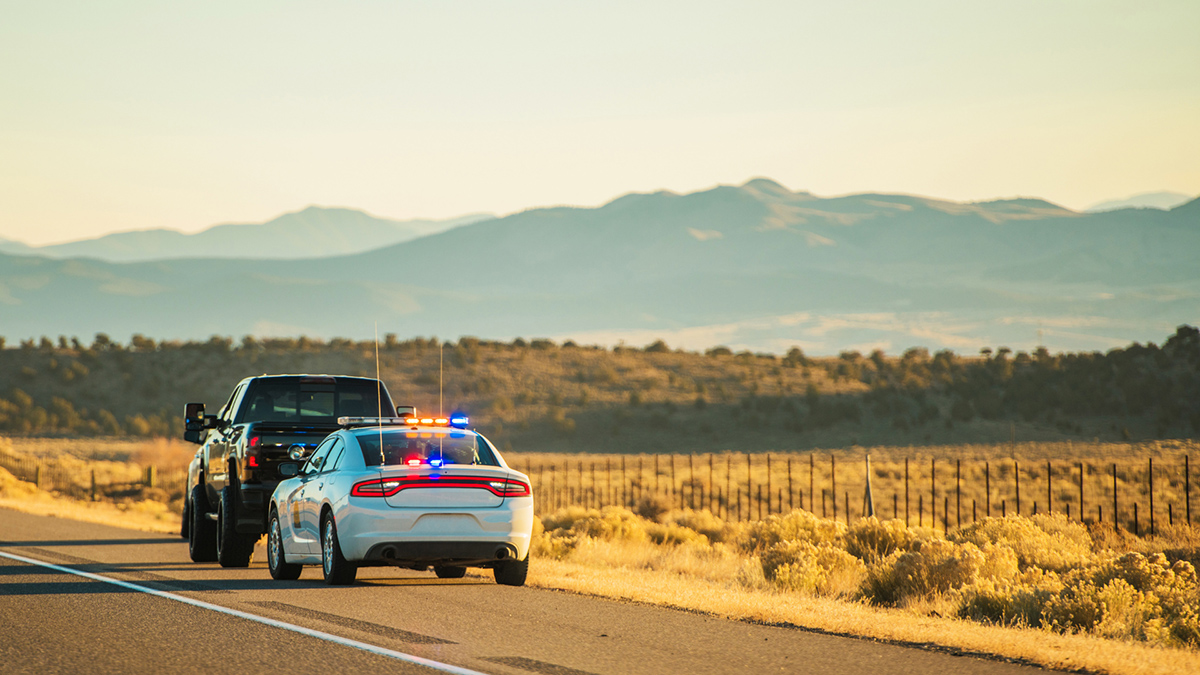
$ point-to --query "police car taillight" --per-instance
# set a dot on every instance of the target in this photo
(510, 488)
(375, 488)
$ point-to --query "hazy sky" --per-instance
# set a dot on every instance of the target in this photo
(134, 115)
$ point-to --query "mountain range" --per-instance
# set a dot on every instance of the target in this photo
(1147, 200)
(312, 232)
(754, 266)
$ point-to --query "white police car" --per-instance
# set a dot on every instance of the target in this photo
(406, 492)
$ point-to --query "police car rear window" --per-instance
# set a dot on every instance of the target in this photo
(425, 448)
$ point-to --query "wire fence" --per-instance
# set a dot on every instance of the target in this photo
(1137, 495)
(90, 483)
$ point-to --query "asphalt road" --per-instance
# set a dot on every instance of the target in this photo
(53, 621)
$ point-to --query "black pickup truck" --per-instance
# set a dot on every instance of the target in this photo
(257, 439)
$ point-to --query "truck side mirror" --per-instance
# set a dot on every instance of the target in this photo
(193, 416)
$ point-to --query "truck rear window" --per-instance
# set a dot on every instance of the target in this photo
(304, 403)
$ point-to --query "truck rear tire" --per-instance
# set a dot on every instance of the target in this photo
(202, 544)
(185, 522)
(233, 548)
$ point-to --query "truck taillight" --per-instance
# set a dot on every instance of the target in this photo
(252, 444)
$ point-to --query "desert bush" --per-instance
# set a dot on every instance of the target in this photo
(670, 533)
(795, 526)
(933, 567)
(872, 539)
(812, 569)
(1050, 542)
(653, 505)
(703, 522)
(1015, 602)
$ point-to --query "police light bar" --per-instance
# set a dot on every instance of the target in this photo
(370, 421)
(455, 421)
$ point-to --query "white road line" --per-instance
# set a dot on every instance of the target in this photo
(328, 637)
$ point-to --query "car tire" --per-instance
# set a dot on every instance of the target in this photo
(185, 521)
(450, 572)
(512, 572)
(202, 542)
(281, 569)
(233, 548)
(337, 570)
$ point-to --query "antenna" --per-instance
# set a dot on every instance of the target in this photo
(379, 399)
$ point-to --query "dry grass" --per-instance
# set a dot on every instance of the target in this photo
(146, 515)
(727, 600)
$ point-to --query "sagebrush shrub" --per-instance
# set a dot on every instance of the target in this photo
(703, 522)
(872, 539)
(1050, 542)
(812, 568)
(795, 526)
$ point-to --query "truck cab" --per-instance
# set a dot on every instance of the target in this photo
(255, 440)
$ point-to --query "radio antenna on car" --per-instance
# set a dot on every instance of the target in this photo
(379, 399)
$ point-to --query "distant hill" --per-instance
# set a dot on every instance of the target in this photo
(1147, 200)
(753, 266)
(313, 232)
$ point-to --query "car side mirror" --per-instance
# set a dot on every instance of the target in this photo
(289, 469)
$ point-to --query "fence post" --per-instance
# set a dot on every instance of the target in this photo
(758, 499)
(847, 493)
(1082, 510)
(958, 491)
(151, 476)
(791, 492)
(987, 487)
(37, 476)
(1150, 477)
(656, 486)
(946, 515)
(906, 492)
(709, 504)
(812, 495)
(728, 479)
(1017, 479)
(691, 483)
(933, 493)
(1116, 510)
(93, 485)
(1136, 529)
(1187, 487)
(749, 486)
(624, 484)
(833, 483)
(1049, 489)
(920, 510)
(768, 483)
